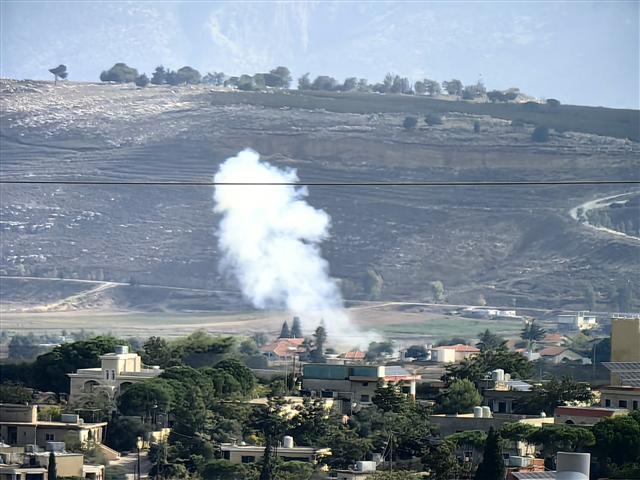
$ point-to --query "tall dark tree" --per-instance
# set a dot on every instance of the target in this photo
(269, 422)
(492, 465)
(441, 461)
(59, 71)
(296, 328)
(158, 352)
(320, 338)
(490, 341)
(159, 76)
(52, 468)
(304, 83)
(532, 333)
(284, 331)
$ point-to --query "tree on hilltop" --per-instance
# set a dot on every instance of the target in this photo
(159, 76)
(304, 83)
(119, 73)
(59, 71)
(142, 81)
(453, 87)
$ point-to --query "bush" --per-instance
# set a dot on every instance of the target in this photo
(552, 102)
(531, 105)
(189, 75)
(518, 123)
(119, 73)
(142, 81)
(540, 134)
(410, 123)
(433, 119)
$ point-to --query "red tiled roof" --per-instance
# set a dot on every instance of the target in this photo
(281, 347)
(461, 347)
(585, 411)
(354, 355)
(553, 338)
(552, 351)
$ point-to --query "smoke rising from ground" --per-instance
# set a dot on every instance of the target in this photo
(269, 237)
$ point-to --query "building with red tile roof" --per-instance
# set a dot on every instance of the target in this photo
(283, 348)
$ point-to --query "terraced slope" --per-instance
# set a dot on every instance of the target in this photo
(504, 243)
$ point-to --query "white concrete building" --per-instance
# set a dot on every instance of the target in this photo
(117, 371)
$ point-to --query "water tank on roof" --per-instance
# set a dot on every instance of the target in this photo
(477, 412)
(365, 466)
(497, 375)
(69, 418)
(122, 349)
(507, 377)
(486, 412)
(287, 442)
(55, 446)
(573, 466)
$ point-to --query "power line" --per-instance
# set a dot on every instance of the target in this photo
(324, 184)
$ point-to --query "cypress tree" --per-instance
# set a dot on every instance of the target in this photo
(285, 332)
(492, 465)
(52, 469)
(296, 328)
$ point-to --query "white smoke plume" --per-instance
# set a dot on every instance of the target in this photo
(269, 237)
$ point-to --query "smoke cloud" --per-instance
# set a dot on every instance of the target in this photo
(269, 237)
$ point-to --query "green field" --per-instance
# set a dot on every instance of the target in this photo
(456, 327)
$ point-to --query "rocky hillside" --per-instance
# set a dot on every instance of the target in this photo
(506, 244)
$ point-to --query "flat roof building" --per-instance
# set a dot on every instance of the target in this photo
(19, 426)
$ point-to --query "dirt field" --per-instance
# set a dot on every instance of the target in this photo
(406, 327)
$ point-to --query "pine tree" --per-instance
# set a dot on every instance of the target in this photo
(296, 328)
(492, 465)
(52, 469)
(285, 332)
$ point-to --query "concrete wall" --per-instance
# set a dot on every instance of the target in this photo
(625, 340)
(18, 413)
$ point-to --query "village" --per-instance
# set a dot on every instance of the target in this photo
(463, 399)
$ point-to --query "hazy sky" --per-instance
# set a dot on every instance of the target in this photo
(579, 52)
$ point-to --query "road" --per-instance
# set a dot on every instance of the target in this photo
(601, 203)
(362, 304)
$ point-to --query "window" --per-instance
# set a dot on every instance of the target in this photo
(49, 437)
(364, 398)
(226, 455)
(365, 384)
(635, 404)
(622, 403)
(113, 374)
(248, 459)
(607, 402)
(106, 374)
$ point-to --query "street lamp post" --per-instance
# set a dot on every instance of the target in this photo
(139, 446)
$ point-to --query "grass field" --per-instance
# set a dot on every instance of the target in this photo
(455, 327)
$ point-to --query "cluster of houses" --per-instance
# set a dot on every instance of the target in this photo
(345, 383)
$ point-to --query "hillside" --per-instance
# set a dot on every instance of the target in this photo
(504, 243)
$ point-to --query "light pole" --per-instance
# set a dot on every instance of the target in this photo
(139, 446)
